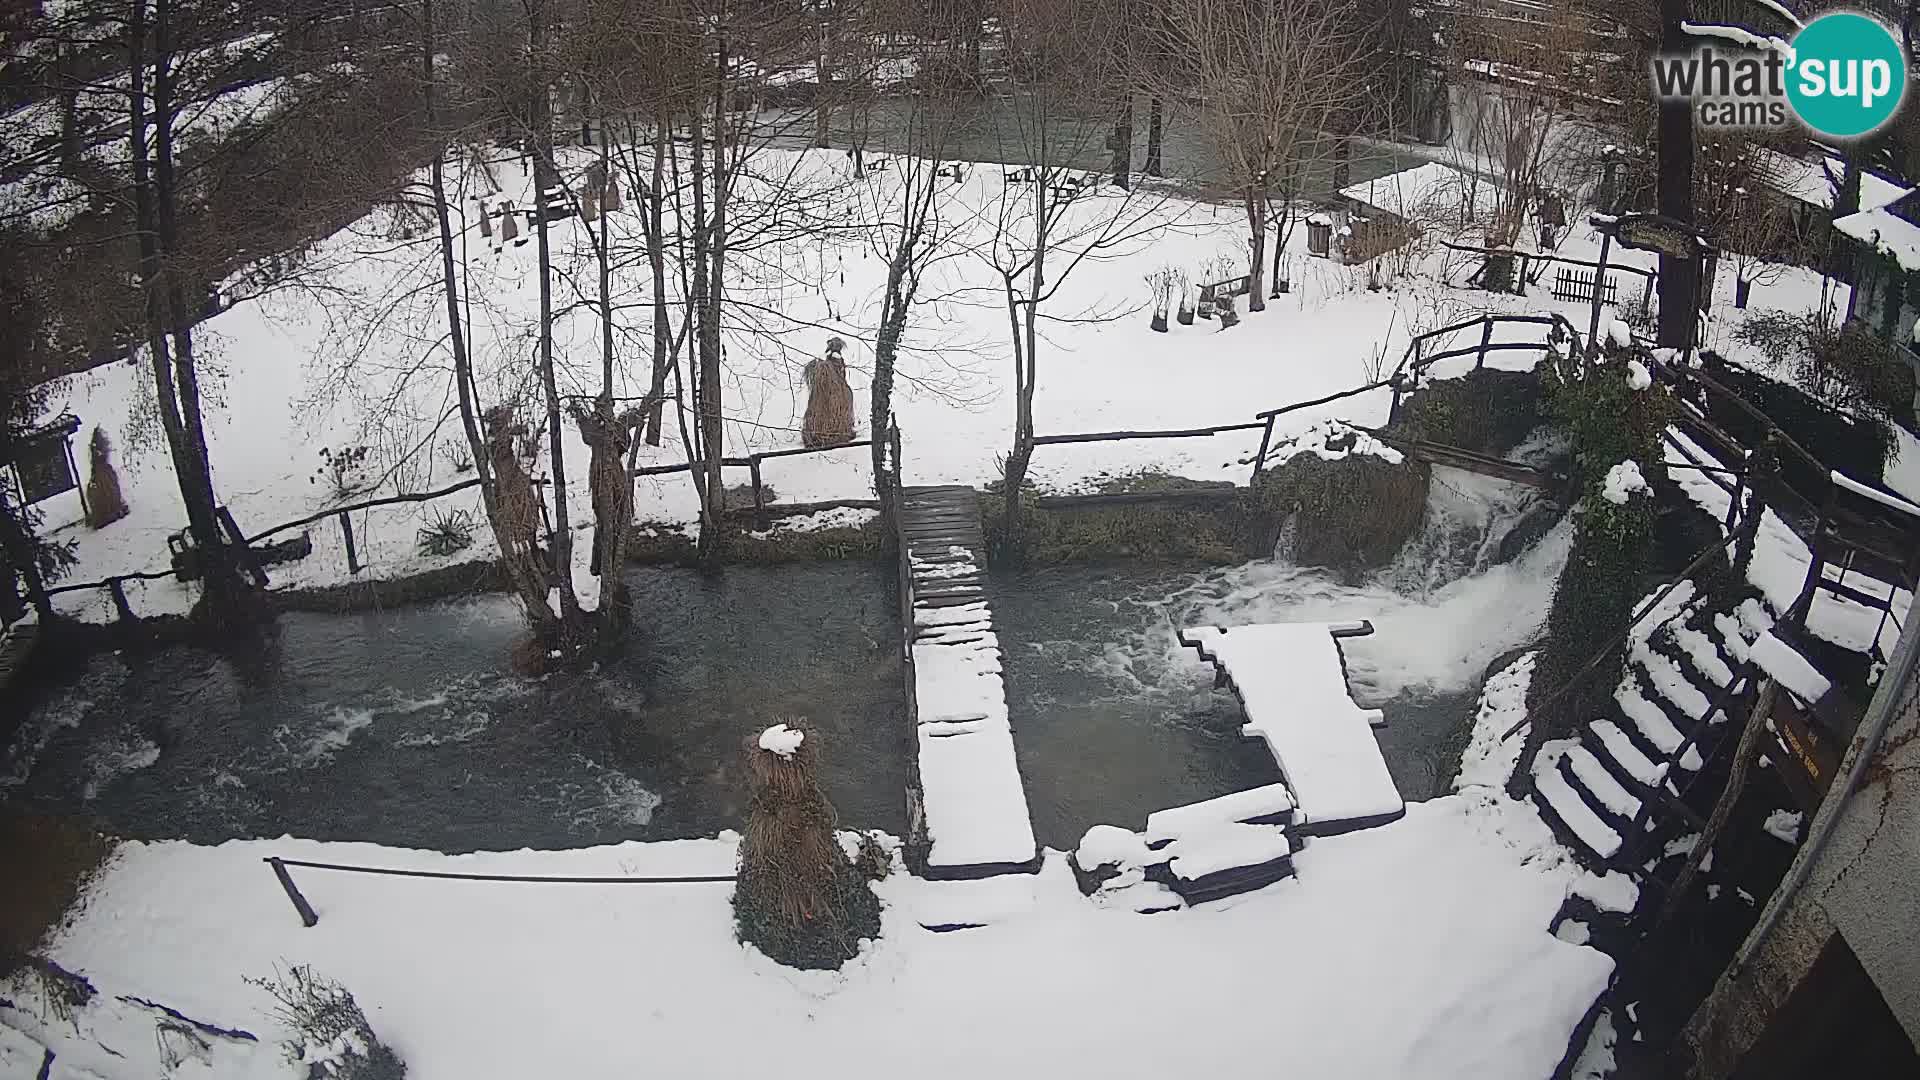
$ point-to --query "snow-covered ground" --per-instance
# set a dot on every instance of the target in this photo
(357, 358)
(1420, 948)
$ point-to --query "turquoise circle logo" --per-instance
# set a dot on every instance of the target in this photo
(1848, 75)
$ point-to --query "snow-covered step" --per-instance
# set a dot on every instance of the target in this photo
(1728, 629)
(1652, 722)
(959, 905)
(1271, 804)
(1670, 682)
(1227, 847)
(1704, 655)
(1569, 805)
(1627, 754)
(1592, 775)
(1790, 669)
(1292, 683)
(1226, 860)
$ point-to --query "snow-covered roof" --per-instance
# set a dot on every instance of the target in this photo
(1815, 182)
(1887, 231)
(1412, 194)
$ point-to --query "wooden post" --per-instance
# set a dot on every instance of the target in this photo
(346, 532)
(1599, 280)
(117, 587)
(1486, 338)
(239, 539)
(79, 482)
(760, 522)
(308, 917)
(1266, 440)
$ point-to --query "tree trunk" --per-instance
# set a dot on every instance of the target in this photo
(1152, 166)
(712, 420)
(545, 182)
(170, 320)
(1123, 146)
(657, 263)
(709, 499)
(1257, 250)
(1024, 318)
(1679, 277)
(520, 574)
(822, 81)
(893, 323)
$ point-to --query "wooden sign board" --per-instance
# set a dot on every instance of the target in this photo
(1651, 232)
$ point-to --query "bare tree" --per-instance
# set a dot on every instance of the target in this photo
(1053, 221)
(1270, 77)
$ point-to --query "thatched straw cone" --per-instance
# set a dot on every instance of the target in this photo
(798, 898)
(105, 503)
(829, 419)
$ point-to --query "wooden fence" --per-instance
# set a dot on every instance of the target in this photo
(115, 585)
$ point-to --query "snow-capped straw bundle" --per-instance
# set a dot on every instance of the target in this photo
(798, 898)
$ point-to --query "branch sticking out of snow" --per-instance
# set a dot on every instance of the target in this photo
(781, 739)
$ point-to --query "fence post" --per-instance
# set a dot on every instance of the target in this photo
(308, 916)
(346, 532)
(118, 588)
(760, 522)
(1486, 338)
(1266, 440)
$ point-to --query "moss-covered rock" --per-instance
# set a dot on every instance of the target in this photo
(1348, 514)
(1487, 411)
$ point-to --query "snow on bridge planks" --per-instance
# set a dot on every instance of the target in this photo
(1292, 682)
(969, 807)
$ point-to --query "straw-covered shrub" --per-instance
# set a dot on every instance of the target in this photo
(798, 899)
(106, 504)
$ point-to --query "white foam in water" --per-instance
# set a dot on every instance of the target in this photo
(64, 711)
(624, 800)
(116, 756)
(336, 731)
(1426, 641)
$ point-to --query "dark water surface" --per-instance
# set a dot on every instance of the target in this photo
(402, 727)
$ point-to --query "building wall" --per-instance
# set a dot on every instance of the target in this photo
(1864, 884)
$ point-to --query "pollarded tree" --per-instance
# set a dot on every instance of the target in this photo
(1045, 227)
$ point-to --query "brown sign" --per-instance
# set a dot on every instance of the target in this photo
(1650, 232)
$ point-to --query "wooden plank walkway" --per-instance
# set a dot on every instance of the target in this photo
(967, 803)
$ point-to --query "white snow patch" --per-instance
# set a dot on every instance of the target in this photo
(1623, 480)
(1107, 845)
(781, 739)
(1784, 825)
(1789, 668)
(1488, 761)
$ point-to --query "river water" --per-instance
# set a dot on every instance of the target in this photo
(400, 727)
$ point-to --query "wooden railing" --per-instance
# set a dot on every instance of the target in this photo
(115, 585)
